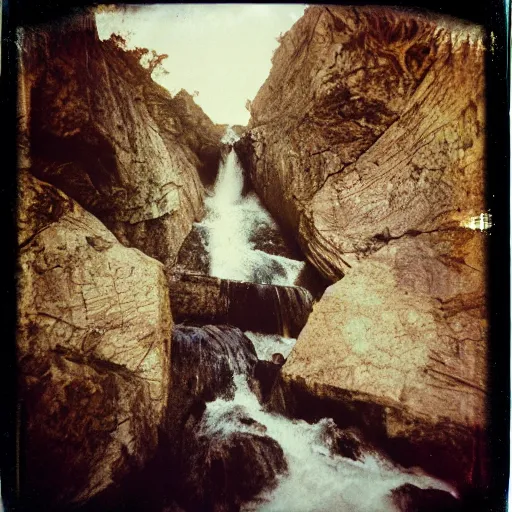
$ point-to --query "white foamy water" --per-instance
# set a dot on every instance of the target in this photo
(316, 481)
(231, 220)
(268, 344)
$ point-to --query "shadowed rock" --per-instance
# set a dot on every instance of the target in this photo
(193, 256)
(409, 498)
(93, 351)
(227, 460)
(251, 307)
(205, 359)
(111, 138)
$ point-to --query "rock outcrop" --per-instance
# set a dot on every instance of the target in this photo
(271, 309)
(93, 346)
(102, 131)
(367, 143)
(399, 345)
(369, 126)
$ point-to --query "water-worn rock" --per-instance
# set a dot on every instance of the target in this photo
(102, 131)
(399, 344)
(227, 460)
(409, 498)
(369, 126)
(93, 350)
(265, 308)
(205, 359)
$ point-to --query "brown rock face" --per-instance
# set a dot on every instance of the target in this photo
(406, 332)
(103, 132)
(370, 125)
(271, 309)
(93, 350)
(367, 142)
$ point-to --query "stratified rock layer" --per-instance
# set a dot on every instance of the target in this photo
(270, 309)
(367, 142)
(370, 125)
(93, 349)
(103, 132)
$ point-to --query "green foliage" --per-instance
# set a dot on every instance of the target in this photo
(148, 59)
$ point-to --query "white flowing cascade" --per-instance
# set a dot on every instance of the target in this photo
(231, 220)
(268, 344)
(316, 479)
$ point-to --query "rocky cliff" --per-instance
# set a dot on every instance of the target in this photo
(367, 142)
(93, 350)
(117, 155)
(103, 132)
(369, 127)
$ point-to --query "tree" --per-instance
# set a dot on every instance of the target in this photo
(148, 59)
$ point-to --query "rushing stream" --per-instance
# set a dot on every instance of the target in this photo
(231, 220)
(308, 472)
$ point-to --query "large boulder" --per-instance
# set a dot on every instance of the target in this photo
(370, 126)
(264, 308)
(102, 131)
(398, 348)
(93, 345)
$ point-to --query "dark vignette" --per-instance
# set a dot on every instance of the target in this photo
(493, 14)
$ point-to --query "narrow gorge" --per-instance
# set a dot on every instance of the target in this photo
(289, 316)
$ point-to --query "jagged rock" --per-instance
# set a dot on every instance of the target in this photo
(265, 308)
(409, 498)
(367, 143)
(399, 346)
(227, 460)
(265, 374)
(205, 359)
(341, 442)
(102, 131)
(193, 255)
(93, 345)
(239, 129)
(369, 126)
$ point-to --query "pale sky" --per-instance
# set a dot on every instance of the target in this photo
(223, 51)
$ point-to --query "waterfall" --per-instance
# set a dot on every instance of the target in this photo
(317, 479)
(231, 222)
(235, 453)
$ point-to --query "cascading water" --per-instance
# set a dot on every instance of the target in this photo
(316, 479)
(230, 221)
(237, 454)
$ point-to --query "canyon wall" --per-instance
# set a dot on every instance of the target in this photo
(112, 172)
(367, 142)
(103, 132)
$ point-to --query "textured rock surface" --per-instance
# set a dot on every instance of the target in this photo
(227, 459)
(271, 309)
(406, 331)
(93, 349)
(367, 141)
(103, 132)
(370, 125)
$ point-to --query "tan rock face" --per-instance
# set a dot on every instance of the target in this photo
(102, 131)
(371, 124)
(367, 142)
(403, 333)
(406, 330)
(93, 348)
